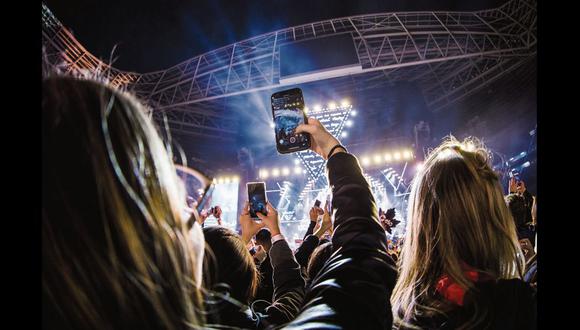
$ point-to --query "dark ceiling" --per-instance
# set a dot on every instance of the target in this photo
(156, 34)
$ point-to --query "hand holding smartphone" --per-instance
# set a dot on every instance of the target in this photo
(257, 199)
(288, 113)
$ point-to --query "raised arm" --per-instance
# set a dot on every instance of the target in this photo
(310, 243)
(313, 214)
(354, 287)
(287, 278)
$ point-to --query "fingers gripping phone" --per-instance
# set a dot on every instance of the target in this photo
(288, 113)
(257, 198)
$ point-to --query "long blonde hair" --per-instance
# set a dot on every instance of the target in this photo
(116, 252)
(456, 215)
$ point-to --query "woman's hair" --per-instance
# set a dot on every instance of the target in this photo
(456, 216)
(317, 259)
(116, 252)
(228, 262)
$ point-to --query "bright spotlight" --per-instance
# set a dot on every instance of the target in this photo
(407, 154)
(365, 161)
(306, 109)
(353, 113)
(272, 125)
(317, 107)
(344, 103)
(227, 180)
(332, 105)
(377, 159)
(343, 134)
(297, 161)
(297, 170)
(348, 123)
(215, 180)
(220, 180)
(285, 171)
(388, 157)
(419, 166)
(236, 179)
(275, 172)
(264, 174)
(397, 155)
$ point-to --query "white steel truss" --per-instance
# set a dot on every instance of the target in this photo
(448, 54)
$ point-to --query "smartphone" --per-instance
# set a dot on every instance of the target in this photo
(257, 198)
(288, 113)
(317, 203)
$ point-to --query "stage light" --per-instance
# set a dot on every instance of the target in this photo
(272, 125)
(236, 179)
(226, 180)
(348, 123)
(215, 180)
(397, 155)
(388, 157)
(220, 181)
(377, 159)
(407, 154)
(264, 174)
(332, 105)
(275, 172)
(365, 161)
(285, 171)
(345, 103)
(343, 134)
(317, 107)
(306, 109)
(297, 170)
(297, 161)
(353, 113)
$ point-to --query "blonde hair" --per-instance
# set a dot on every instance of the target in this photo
(116, 251)
(456, 215)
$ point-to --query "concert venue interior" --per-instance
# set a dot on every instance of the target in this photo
(389, 79)
(390, 84)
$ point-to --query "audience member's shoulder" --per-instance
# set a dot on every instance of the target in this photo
(515, 287)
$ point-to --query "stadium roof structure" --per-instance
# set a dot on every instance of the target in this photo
(448, 55)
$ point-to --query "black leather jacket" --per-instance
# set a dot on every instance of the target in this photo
(353, 289)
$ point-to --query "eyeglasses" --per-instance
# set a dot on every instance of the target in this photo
(196, 184)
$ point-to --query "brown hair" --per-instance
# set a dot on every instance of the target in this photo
(456, 215)
(317, 260)
(228, 261)
(116, 252)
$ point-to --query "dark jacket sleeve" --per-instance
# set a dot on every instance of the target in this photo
(310, 229)
(303, 252)
(529, 201)
(288, 286)
(353, 289)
